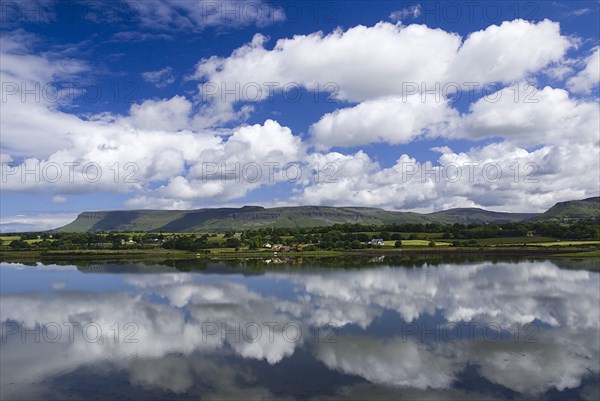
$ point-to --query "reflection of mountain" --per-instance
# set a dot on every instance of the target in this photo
(177, 345)
(171, 266)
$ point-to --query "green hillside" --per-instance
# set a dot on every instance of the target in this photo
(476, 215)
(222, 219)
(575, 209)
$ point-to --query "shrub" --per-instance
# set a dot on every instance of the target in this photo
(19, 244)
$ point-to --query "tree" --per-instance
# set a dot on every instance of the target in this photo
(232, 243)
(19, 244)
(362, 237)
(385, 235)
(356, 244)
(398, 244)
(431, 243)
(254, 242)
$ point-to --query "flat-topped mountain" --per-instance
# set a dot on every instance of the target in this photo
(247, 217)
(220, 219)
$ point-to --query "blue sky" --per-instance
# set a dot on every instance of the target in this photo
(148, 79)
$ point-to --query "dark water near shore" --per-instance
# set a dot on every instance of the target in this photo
(331, 329)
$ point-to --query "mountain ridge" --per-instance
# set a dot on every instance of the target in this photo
(251, 216)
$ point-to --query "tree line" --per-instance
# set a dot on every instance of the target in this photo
(338, 236)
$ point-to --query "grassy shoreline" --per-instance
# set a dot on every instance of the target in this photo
(105, 254)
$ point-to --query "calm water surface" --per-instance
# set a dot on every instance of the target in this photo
(477, 330)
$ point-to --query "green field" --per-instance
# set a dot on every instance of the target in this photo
(415, 242)
(513, 240)
(566, 243)
(7, 239)
(592, 254)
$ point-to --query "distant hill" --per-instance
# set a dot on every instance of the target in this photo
(247, 217)
(476, 215)
(575, 209)
(221, 219)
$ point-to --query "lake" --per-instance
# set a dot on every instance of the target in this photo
(369, 329)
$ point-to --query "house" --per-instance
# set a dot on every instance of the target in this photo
(376, 241)
(237, 235)
(267, 245)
